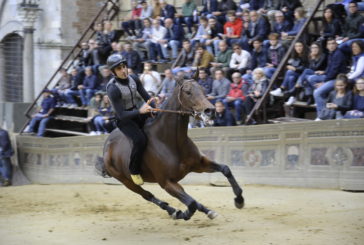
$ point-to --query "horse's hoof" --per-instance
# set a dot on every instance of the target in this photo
(239, 202)
(176, 214)
(212, 214)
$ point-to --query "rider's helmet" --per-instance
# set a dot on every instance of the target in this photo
(115, 60)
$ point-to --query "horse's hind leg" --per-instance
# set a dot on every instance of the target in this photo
(148, 196)
(210, 166)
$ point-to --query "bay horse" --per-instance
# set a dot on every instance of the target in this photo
(170, 154)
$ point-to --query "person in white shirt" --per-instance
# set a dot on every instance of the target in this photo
(240, 60)
(156, 40)
(150, 79)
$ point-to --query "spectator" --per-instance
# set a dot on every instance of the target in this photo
(6, 151)
(209, 6)
(150, 79)
(223, 117)
(93, 111)
(256, 90)
(85, 55)
(215, 31)
(220, 87)
(223, 7)
(288, 6)
(275, 54)
(281, 24)
(188, 11)
(168, 11)
(168, 85)
(358, 101)
(173, 38)
(147, 11)
(185, 59)
(63, 84)
(43, 116)
(357, 68)
(132, 58)
(88, 87)
(232, 28)
(240, 60)
(236, 97)
(102, 121)
(299, 14)
(106, 75)
(142, 40)
(205, 81)
(108, 36)
(202, 32)
(258, 59)
(133, 23)
(339, 100)
(157, 9)
(295, 66)
(223, 58)
(202, 58)
(331, 25)
(76, 80)
(156, 40)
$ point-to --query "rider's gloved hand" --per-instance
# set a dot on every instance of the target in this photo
(145, 109)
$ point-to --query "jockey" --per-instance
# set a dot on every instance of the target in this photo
(122, 90)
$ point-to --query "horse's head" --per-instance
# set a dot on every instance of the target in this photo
(192, 98)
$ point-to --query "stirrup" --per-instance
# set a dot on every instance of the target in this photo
(137, 179)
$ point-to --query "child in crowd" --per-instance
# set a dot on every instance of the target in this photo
(223, 116)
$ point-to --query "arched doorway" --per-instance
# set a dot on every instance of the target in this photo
(12, 55)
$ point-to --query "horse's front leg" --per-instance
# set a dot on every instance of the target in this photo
(210, 166)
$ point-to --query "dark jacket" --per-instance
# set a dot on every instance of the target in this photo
(336, 64)
(298, 63)
(216, 30)
(285, 26)
(184, 59)
(133, 60)
(90, 82)
(259, 59)
(168, 12)
(260, 30)
(331, 29)
(352, 26)
(47, 104)
(318, 64)
(206, 85)
(279, 51)
(226, 5)
(5, 146)
(256, 4)
(177, 33)
(212, 8)
(298, 24)
(224, 119)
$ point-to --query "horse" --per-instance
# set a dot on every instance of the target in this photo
(170, 154)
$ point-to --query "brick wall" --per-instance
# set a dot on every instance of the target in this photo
(86, 11)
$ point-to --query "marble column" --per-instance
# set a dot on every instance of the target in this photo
(28, 65)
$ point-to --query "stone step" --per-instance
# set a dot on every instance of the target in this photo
(71, 118)
(66, 132)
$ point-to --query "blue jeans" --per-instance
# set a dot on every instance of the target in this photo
(86, 95)
(42, 125)
(320, 94)
(290, 79)
(188, 20)
(154, 50)
(100, 123)
(5, 168)
(311, 81)
(69, 96)
(174, 44)
(269, 71)
(237, 105)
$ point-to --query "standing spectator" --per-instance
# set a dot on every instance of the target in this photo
(43, 116)
(150, 79)
(236, 97)
(188, 11)
(357, 68)
(202, 58)
(143, 38)
(156, 40)
(185, 59)
(240, 60)
(223, 116)
(339, 100)
(358, 101)
(223, 58)
(6, 151)
(102, 121)
(88, 87)
(168, 11)
(205, 81)
(220, 87)
(275, 54)
(133, 23)
(168, 85)
(132, 58)
(173, 38)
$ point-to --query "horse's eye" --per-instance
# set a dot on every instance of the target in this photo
(188, 93)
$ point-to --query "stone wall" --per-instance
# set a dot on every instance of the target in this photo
(326, 154)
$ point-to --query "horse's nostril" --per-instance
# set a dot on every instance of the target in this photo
(208, 112)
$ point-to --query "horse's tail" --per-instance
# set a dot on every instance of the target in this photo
(100, 167)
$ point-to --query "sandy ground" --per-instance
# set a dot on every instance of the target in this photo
(111, 214)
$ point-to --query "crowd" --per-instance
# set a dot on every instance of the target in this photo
(237, 48)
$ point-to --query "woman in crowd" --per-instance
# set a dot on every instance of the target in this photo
(358, 101)
(331, 25)
(357, 68)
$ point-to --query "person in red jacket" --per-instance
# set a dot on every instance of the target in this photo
(236, 97)
(232, 28)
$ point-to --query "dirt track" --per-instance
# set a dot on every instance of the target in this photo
(110, 214)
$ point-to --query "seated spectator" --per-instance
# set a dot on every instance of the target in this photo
(357, 68)
(130, 25)
(281, 24)
(172, 39)
(108, 36)
(236, 97)
(258, 59)
(240, 60)
(168, 85)
(223, 7)
(150, 79)
(63, 84)
(93, 111)
(188, 11)
(89, 86)
(220, 87)
(295, 66)
(205, 81)
(6, 151)
(85, 59)
(209, 6)
(147, 11)
(223, 116)
(202, 58)
(223, 58)
(76, 80)
(289, 6)
(43, 116)
(275, 54)
(339, 100)
(317, 62)
(256, 90)
(143, 39)
(168, 11)
(202, 32)
(157, 9)
(357, 110)
(132, 58)
(106, 76)
(232, 28)
(156, 40)
(300, 19)
(102, 122)
(331, 25)
(185, 59)
(215, 31)
(269, 8)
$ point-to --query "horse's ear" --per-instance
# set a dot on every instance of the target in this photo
(195, 77)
